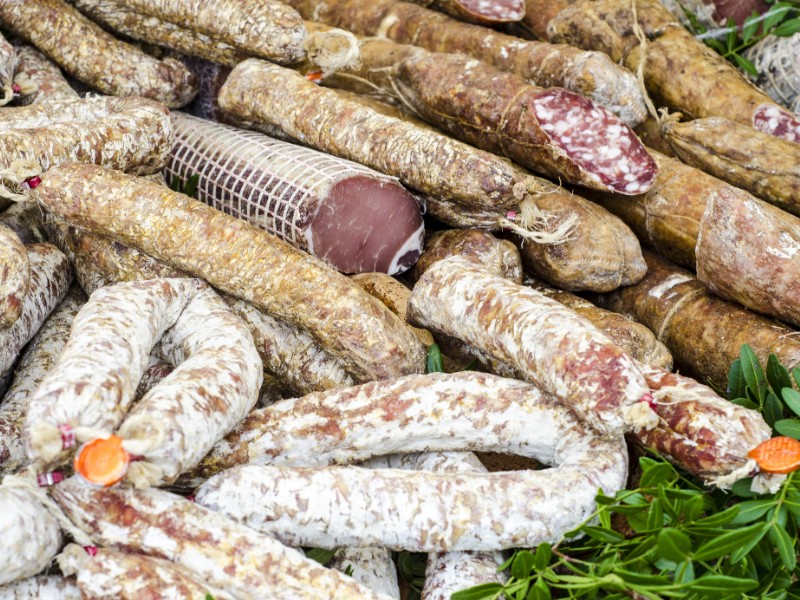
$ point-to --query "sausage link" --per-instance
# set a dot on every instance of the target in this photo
(41, 587)
(8, 61)
(25, 219)
(371, 567)
(15, 273)
(39, 79)
(477, 11)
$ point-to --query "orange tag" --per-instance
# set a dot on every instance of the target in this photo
(777, 455)
(102, 462)
(314, 76)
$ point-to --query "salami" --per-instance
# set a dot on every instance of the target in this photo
(93, 56)
(588, 247)
(550, 131)
(479, 11)
(112, 574)
(15, 273)
(226, 555)
(371, 567)
(24, 219)
(766, 166)
(51, 587)
(419, 413)
(8, 61)
(156, 371)
(652, 135)
(632, 337)
(499, 257)
(39, 79)
(31, 536)
(424, 160)
(352, 506)
(39, 357)
(239, 259)
(131, 134)
(50, 278)
(747, 253)
(90, 388)
(775, 60)
(590, 74)
(681, 71)
(703, 332)
(214, 386)
(554, 348)
(354, 218)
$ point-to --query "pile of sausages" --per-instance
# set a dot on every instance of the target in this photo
(218, 294)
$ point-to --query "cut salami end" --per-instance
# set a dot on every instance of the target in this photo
(499, 11)
(372, 212)
(772, 119)
(596, 141)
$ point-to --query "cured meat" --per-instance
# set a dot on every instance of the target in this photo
(112, 574)
(775, 59)
(24, 219)
(352, 506)
(652, 135)
(499, 257)
(667, 218)
(552, 346)
(39, 357)
(31, 535)
(39, 79)
(424, 160)
(419, 413)
(352, 217)
(715, 13)
(87, 393)
(226, 555)
(8, 61)
(239, 259)
(765, 166)
(453, 571)
(131, 134)
(371, 567)
(479, 11)
(15, 273)
(703, 433)
(51, 587)
(551, 131)
(596, 252)
(703, 332)
(747, 253)
(50, 278)
(93, 56)
(214, 386)
(681, 71)
(633, 338)
(156, 371)
(590, 74)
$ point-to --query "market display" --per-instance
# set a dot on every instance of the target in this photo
(421, 308)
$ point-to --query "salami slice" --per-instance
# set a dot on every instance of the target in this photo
(479, 11)
(51, 587)
(555, 348)
(214, 386)
(91, 387)
(109, 573)
(50, 278)
(225, 554)
(239, 259)
(131, 134)
(15, 273)
(8, 61)
(354, 218)
(39, 79)
(93, 56)
(39, 357)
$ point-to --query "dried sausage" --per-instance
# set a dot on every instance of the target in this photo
(15, 273)
(39, 79)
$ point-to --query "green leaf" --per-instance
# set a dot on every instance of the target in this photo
(750, 27)
(788, 427)
(321, 555)
(641, 578)
(773, 409)
(751, 510)
(745, 64)
(742, 488)
(714, 584)
(762, 553)
(746, 403)
(434, 364)
(539, 591)
(693, 508)
(776, 14)
(209, 596)
(603, 535)
(655, 516)
(791, 398)
(796, 376)
(348, 570)
(478, 592)
(674, 545)
(777, 375)
(787, 28)
(523, 562)
(190, 188)
(729, 542)
(753, 373)
(785, 545)
(542, 557)
(660, 473)
(736, 381)
(684, 573)
(733, 34)
(721, 518)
